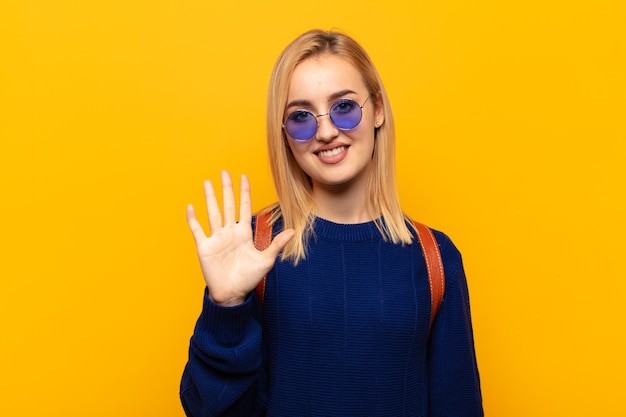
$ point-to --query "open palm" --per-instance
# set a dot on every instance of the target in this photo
(231, 265)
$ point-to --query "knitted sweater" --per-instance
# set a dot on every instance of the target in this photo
(343, 333)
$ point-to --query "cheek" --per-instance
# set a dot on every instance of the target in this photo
(299, 148)
(297, 152)
(366, 134)
(293, 148)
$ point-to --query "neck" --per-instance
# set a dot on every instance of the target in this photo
(346, 205)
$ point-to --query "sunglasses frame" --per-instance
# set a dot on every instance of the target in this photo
(284, 126)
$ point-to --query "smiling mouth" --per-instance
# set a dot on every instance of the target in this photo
(331, 152)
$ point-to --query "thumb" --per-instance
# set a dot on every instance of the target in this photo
(280, 241)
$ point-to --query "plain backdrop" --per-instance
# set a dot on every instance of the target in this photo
(511, 139)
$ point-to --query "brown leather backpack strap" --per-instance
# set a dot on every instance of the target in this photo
(434, 265)
(262, 239)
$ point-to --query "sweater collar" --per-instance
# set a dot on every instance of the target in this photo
(345, 232)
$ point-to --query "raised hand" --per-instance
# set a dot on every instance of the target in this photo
(231, 265)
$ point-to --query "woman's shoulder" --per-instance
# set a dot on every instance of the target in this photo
(451, 258)
(449, 251)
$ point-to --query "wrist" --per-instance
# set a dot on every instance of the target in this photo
(226, 300)
(230, 302)
(226, 324)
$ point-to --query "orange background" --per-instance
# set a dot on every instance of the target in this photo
(511, 139)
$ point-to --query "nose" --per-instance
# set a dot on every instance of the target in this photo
(326, 130)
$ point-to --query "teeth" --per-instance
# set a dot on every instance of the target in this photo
(332, 152)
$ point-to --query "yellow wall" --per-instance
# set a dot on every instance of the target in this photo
(511, 139)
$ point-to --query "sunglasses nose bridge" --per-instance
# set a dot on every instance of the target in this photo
(325, 129)
(317, 117)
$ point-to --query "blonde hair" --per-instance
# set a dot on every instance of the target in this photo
(293, 186)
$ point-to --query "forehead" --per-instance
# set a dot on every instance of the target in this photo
(316, 79)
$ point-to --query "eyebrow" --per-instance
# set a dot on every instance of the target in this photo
(307, 103)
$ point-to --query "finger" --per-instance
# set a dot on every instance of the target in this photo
(194, 225)
(245, 203)
(215, 218)
(229, 199)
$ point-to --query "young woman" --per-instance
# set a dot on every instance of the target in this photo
(344, 329)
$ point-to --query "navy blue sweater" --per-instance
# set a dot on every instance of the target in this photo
(343, 333)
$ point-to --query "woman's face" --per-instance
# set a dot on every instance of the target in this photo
(333, 158)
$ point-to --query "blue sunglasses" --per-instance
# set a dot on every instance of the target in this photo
(344, 113)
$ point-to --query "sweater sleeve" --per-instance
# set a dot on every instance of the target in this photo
(224, 374)
(454, 383)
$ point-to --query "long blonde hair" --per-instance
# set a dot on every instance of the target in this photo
(293, 186)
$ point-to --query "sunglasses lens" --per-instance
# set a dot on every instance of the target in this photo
(301, 125)
(346, 114)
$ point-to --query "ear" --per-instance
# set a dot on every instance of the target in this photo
(379, 111)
